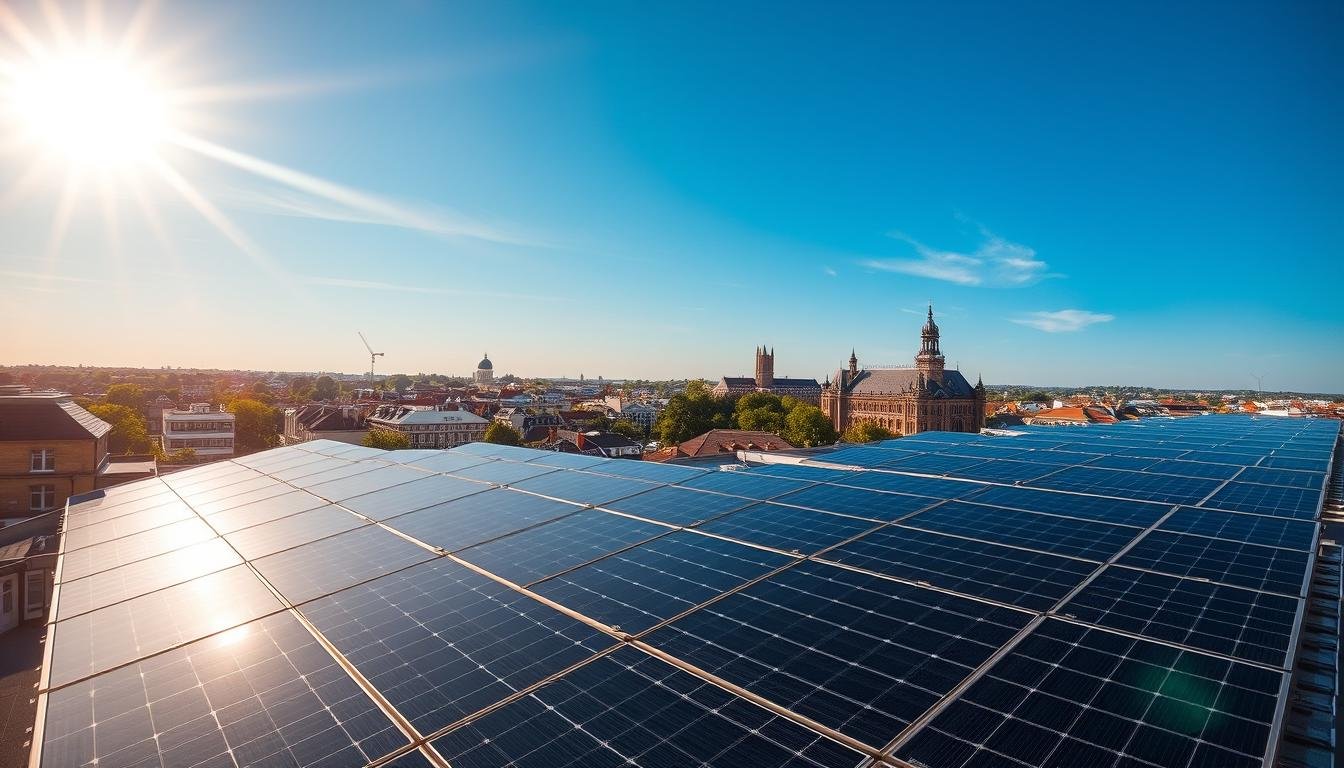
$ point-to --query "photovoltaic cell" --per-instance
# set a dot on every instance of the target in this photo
(1298, 503)
(367, 482)
(327, 565)
(911, 484)
(630, 709)
(559, 545)
(144, 576)
(678, 506)
(566, 460)
(1255, 626)
(503, 472)
(655, 581)
(1105, 510)
(264, 693)
(862, 456)
(1254, 529)
(480, 517)
(1060, 535)
(448, 461)
(264, 511)
(417, 494)
(1032, 580)
(800, 472)
(1227, 562)
(347, 469)
(858, 502)
(97, 641)
(441, 642)
(1005, 471)
(855, 652)
(1285, 477)
(646, 470)
(932, 463)
(1069, 696)
(1289, 462)
(1131, 485)
(583, 488)
(745, 484)
(244, 499)
(295, 530)
(791, 529)
(127, 525)
(110, 554)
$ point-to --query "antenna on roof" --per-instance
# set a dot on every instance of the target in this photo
(373, 356)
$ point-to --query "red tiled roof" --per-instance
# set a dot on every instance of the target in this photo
(718, 441)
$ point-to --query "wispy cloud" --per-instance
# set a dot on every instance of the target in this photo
(377, 285)
(995, 261)
(829, 272)
(1062, 321)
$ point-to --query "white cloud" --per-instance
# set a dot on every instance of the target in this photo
(995, 261)
(1062, 321)
(829, 271)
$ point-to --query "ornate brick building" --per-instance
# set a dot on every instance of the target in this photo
(906, 400)
(807, 390)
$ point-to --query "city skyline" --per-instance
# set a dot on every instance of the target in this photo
(1154, 199)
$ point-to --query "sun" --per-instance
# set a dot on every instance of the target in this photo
(92, 107)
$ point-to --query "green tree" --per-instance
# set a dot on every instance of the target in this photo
(867, 432)
(387, 439)
(260, 388)
(129, 395)
(180, 456)
(398, 381)
(254, 425)
(301, 388)
(326, 388)
(502, 434)
(627, 428)
(129, 432)
(807, 427)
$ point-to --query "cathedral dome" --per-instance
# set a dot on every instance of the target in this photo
(485, 364)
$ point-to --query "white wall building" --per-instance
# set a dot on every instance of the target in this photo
(207, 431)
(428, 427)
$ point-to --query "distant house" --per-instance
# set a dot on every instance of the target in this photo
(608, 444)
(721, 441)
(205, 429)
(1072, 414)
(641, 415)
(342, 423)
(50, 449)
(430, 427)
(27, 562)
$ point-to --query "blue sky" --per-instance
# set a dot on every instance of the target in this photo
(1144, 194)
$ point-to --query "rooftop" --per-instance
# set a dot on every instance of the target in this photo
(890, 603)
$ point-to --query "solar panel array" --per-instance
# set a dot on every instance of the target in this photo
(1128, 595)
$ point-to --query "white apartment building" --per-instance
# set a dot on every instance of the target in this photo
(428, 427)
(203, 428)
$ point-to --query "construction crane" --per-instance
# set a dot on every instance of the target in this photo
(373, 357)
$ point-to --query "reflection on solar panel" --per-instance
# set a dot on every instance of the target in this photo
(331, 605)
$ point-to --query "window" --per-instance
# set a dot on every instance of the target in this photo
(41, 497)
(34, 590)
(42, 460)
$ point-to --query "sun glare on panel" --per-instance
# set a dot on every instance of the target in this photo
(91, 108)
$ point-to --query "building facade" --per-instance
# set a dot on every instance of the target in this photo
(485, 371)
(906, 400)
(427, 427)
(807, 390)
(342, 423)
(50, 449)
(207, 430)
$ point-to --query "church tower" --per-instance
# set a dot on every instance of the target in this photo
(929, 361)
(765, 368)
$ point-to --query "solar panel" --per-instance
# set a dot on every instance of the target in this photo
(1299, 503)
(1254, 626)
(108, 637)
(144, 576)
(1049, 533)
(678, 506)
(856, 652)
(441, 642)
(788, 528)
(559, 545)
(480, 517)
(1259, 529)
(627, 708)
(768, 615)
(858, 502)
(1033, 580)
(327, 565)
(1070, 695)
(647, 584)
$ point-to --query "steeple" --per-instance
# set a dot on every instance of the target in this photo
(765, 368)
(930, 360)
(853, 363)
